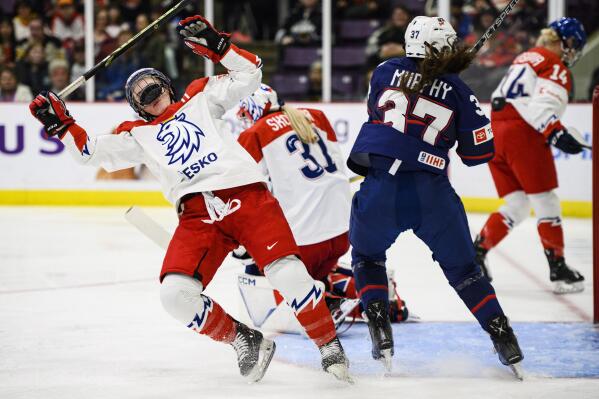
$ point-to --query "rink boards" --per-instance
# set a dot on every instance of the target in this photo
(42, 172)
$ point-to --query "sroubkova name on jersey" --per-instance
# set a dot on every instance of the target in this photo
(438, 88)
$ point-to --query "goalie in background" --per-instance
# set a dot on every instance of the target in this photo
(526, 110)
(298, 152)
(218, 191)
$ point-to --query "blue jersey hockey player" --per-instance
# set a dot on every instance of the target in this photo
(418, 109)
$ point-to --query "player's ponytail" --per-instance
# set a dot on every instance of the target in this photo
(301, 124)
(547, 37)
(450, 59)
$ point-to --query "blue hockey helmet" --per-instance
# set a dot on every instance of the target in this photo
(573, 37)
(143, 87)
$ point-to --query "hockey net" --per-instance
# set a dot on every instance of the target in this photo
(595, 206)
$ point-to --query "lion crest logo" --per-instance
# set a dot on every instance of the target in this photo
(181, 138)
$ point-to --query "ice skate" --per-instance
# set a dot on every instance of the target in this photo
(334, 360)
(481, 258)
(381, 334)
(565, 279)
(254, 352)
(506, 344)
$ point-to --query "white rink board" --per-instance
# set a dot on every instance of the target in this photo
(36, 163)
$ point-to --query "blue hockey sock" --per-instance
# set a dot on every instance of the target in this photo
(371, 281)
(478, 294)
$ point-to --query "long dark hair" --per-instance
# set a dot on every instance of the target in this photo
(453, 58)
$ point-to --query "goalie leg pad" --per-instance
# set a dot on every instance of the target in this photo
(305, 296)
(182, 298)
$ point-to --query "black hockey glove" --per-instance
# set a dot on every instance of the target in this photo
(52, 112)
(199, 35)
(563, 140)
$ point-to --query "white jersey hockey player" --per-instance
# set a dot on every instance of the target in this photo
(218, 191)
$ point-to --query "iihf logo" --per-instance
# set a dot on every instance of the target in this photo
(181, 137)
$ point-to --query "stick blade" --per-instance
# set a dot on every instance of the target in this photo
(148, 226)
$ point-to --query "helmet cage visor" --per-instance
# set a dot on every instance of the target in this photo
(571, 51)
(144, 87)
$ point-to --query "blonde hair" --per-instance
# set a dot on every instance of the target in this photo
(301, 124)
(547, 37)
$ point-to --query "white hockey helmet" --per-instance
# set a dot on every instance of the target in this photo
(259, 103)
(435, 31)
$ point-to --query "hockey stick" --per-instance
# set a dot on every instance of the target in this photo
(148, 227)
(498, 21)
(116, 53)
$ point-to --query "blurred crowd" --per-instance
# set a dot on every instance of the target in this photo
(43, 45)
(42, 41)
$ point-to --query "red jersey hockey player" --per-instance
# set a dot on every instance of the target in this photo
(527, 107)
(298, 152)
(218, 190)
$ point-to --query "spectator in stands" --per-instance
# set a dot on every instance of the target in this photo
(131, 9)
(315, 82)
(461, 21)
(67, 23)
(52, 46)
(10, 88)
(59, 71)
(362, 9)
(388, 41)
(78, 66)
(21, 21)
(32, 70)
(498, 51)
(104, 43)
(7, 42)
(78, 61)
(111, 81)
(303, 27)
(115, 24)
(152, 51)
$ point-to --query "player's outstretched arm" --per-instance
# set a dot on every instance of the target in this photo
(244, 73)
(112, 152)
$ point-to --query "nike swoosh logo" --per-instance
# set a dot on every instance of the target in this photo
(269, 247)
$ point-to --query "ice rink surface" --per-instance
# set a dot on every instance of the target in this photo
(80, 317)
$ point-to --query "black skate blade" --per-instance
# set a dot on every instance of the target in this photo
(517, 370)
(265, 355)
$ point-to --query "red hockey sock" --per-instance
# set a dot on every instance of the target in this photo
(317, 322)
(219, 325)
(552, 235)
(495, 230)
